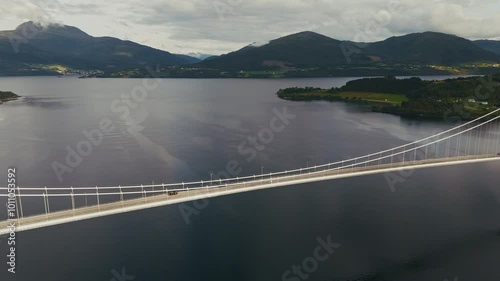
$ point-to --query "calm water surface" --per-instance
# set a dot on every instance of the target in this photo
(439, 223)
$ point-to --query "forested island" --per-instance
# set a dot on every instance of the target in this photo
(7, 96)
(463, 98)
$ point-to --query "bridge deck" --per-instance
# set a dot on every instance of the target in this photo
(83, 213)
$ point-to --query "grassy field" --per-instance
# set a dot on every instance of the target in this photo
(350, 96)
(374, 97)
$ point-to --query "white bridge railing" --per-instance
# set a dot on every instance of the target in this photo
(476, 138)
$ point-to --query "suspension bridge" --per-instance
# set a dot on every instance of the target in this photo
(471, 142)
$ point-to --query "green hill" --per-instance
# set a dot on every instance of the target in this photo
(311, 50)
(430, 48)
(305, 49)
(490, 45)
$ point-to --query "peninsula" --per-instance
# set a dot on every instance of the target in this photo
(7, 96)
(462, 98)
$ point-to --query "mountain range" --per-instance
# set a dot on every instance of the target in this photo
(309, 49)
(33, 49)
(33, 44)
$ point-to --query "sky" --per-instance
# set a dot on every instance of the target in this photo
(221, 26)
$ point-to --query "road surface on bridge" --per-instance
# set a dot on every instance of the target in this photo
(89, 212)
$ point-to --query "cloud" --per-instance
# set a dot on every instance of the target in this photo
(81, 9)
(243, 22)
(38, 11)
(22, 10)
(220, 26)
(452, 18)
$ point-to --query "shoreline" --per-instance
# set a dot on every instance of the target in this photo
(7, 96)
(375, 108)
(429, 76)
(2, 101)
(411, 98)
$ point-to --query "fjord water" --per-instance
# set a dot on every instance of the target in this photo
(438, 224)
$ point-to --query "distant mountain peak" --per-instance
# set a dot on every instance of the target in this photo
(28, 25)
(307, 35)
(436, 33)
(425, 35)
(52, 28)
